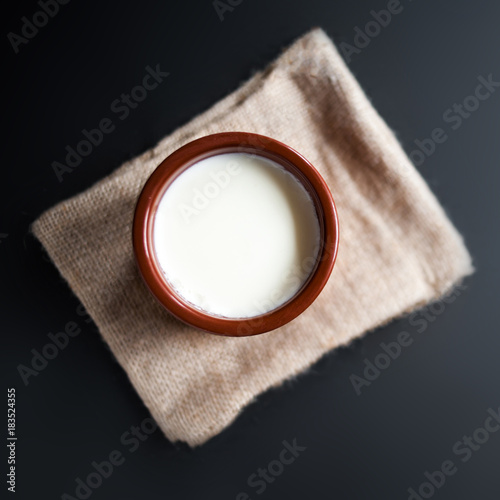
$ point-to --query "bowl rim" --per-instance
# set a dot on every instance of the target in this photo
(234, 142)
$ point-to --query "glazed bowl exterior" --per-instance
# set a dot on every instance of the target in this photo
(176, 164)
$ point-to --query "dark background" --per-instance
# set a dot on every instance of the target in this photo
(372, 446)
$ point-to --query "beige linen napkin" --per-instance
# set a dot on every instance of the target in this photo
(397, 252)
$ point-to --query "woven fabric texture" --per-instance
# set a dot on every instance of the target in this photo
(398, 250)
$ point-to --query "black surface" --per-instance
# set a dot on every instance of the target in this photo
(372, 446)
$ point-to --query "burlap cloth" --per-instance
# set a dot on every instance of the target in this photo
(397, 250)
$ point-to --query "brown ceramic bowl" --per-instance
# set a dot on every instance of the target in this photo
(234, 142)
